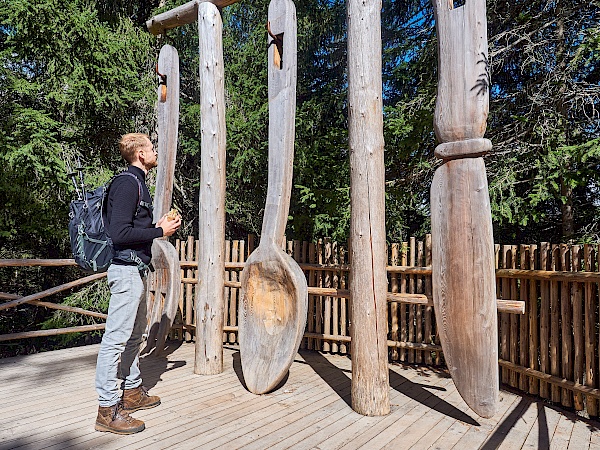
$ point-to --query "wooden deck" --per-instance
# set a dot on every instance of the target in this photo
(49, 402)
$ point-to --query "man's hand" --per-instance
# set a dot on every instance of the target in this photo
(169, 227)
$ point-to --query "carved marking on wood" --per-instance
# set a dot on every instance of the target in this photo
(274, 302)
(464, 291)
(268, 295)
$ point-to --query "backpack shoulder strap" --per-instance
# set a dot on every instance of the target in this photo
(139, 183)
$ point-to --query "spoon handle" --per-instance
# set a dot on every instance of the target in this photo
(464, 294)
(282, 110)
(461, 108)
(168, 122)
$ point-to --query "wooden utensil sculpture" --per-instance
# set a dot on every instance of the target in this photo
(274, 299)
(164, 283)
(464, 292)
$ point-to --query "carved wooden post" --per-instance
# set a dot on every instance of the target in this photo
(464, 285)
(166, 279)
(368, 287)
(211, 265)
(274, 297)
(168, 128)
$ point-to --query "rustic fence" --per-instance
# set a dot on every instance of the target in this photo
(550, 351)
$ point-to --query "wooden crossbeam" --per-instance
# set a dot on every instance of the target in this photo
(37, 262)
(556, 381)
(182, 15)
(506, 306)
(51, 291)
(549, 275)
(52, 332)
(57, 306)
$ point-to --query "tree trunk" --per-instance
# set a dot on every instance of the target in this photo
(210, 301)
(566, 192)
(370, 385)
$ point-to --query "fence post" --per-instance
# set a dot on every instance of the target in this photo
(533, 323)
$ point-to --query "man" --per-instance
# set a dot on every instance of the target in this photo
(129, 217)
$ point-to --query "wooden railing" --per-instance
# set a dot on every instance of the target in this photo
(34, 299)
(550, 350)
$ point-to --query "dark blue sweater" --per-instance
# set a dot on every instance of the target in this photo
(128, 230)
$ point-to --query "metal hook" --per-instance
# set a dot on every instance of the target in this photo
(278, 40)
(163, 84)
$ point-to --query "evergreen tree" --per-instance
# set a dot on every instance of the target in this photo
(72, 85)
(544, 120)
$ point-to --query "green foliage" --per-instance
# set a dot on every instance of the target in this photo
(75, 85)
(409, 97)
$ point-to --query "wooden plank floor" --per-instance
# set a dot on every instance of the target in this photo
(49, 402)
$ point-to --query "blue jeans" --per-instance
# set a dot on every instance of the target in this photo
(123, 335)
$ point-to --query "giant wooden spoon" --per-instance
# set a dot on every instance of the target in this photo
(164, 284)
(272, 313)
(464, 283)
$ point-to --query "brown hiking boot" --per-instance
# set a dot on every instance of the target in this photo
(138, 398)
(115, 420)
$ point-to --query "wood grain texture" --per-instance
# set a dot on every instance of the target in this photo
(461, 107)
(168, 126)
(464, 293)
(189, 295)
(591, 338)
(51, 332)
(37, 262)
(58, 306)
(216, 412)
(544, 318)
(566, 319)
(274, 295)
(182, 15)
(523, 321)
(165, 282)
(210, 302)
(368, 287)
(533, 322)
(463, 275)
(162, 307)
(580, 333)
(469, 148)
(504, 318)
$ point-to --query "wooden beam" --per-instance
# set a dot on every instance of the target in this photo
(339, 338)
(36, 262)
(58, 306)
(51, 291)
(506, 306)
(182, 15)
(549, 275)
(580, 277)
(557, 381)
(370, 383)
(52, 332)
(168, 127)
(210, 300)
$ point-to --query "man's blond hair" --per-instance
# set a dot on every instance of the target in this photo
(130, 143)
